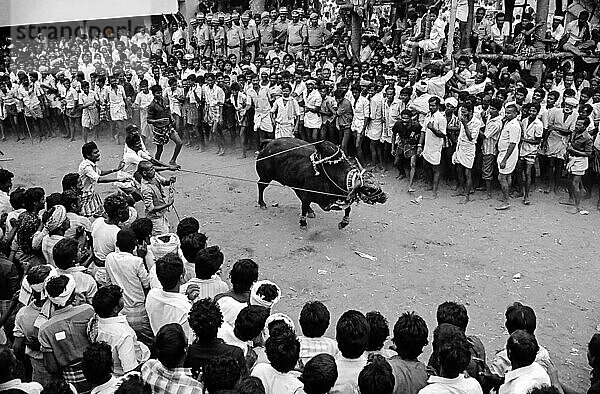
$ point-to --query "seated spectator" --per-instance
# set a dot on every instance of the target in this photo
(9, 383)
(129, 273)
(283, 352)
(187, 226)
(453, 357)
(410, 336)
(97, 366)
(65, 254)
(519, 317)
(56, 223)
(142, 227)
(207, 264)
(378, 333)
(166, 373)
(319, 375)
(525, 373)
(376, 377)
(248, 333)
(205, 318)
(352, 336)
(113, 329)
(314, 321)
(243, 275)
(189, 246)
(63, 337)
(167, 305)
(220, 375)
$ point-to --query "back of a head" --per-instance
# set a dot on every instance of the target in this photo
(70, 181)
(187, 226)
(379, 330)
(454, 354)
(8, 361)
(453, 313)
(169, 269)
(377, 377)
(320, 374)
(205, 318)
(522, 348)
(126, 240)
(410, 335)
(97, 363)
(207, 261)
(250, 385)
(64, 253)
(133, 384)
(544, 389)
(192, 244)
(142, 227)
(352, 334)
(520, 317)
(106, 299)
(250, 322)
(283, 351)
(314, 319)
(170, 344)
(243, 274)
(220, 374)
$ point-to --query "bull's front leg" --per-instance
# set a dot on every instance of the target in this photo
(305, 210)
(346, 219)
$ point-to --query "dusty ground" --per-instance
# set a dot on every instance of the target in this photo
(426, 254)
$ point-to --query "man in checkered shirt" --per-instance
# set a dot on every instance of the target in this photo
(167, 374)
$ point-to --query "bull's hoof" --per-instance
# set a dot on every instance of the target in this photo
(345, 221)
(311, 215)
(262, 205)
(303, 225)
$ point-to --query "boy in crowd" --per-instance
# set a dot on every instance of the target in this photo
(80, 226)
(319, 375)
(352, 336)
(243, 275)
(376, 377)
(379, 330)
(167, 304)
(97, 366)
(156, 204)
(220, 375)
(129, 273)
(406, 134)
(65, 255)
(207, 283)
(314, 321)
(410, 336)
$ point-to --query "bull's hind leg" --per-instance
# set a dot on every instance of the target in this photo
(346, 219)
(311, 213)
(305, 210)
(262, 185)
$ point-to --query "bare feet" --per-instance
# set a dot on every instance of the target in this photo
(412, 190)
(526, 201)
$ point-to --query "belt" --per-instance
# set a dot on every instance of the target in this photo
(235, 46)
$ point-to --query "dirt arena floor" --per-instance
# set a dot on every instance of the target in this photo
(426, 254)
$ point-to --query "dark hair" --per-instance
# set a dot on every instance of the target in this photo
(243, 274)
(522, 348)
(132, 139)
(207, 262)
(53, 200)
(377, 377)
(250, 385)
(452, 349)
(283, 351)
(378, 330)
(133, 384)
(267, 292)
(126, 240)
(169, 269)
(142, 227)
(69, 198)
(5, 175)
(114, 205)
(17, 198)
(70, 181)
(32, 197)
(250, 322)
(88, 148)
(410, 335)
(191, 244)
(352, 334)
(453, 313)
(543, 389)
(320, 374)
(187, 226)
(106, 299)
(520, 317)
(170, 344)
(8, 361)
(585, 119)
(496, 103)
(314, 319)
(59, 386)
(56, 285)
(220, 373)
(205, 318)
(97, 363)
(64, 253)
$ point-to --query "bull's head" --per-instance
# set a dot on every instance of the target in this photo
(370, 190)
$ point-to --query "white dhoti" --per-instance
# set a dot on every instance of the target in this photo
(284, 130)
(263, 122)
(577, 165)
(464, 155)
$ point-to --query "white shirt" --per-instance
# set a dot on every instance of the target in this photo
(164, 308)
(129, 273)
(348, 370)
(313, 100)
(48, 243)
(30, 388)
(127, 352)
(432, 149)
(521, 380)
(276, 382)
(230, 308)
(5, 206)
(104, 237)
(458, 385)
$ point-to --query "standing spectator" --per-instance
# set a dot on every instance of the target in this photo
(508, 152)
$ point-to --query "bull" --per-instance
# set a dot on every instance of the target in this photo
(319, 174)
